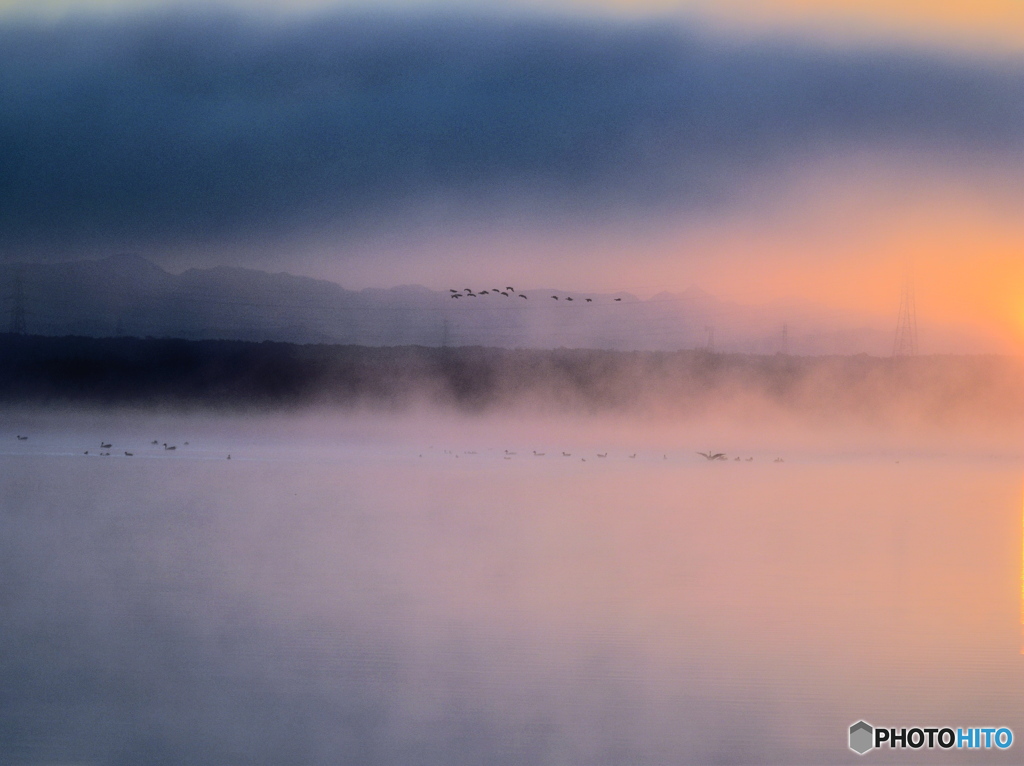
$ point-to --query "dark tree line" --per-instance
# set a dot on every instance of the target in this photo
(244, 375)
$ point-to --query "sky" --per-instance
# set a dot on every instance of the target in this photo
(766, 151)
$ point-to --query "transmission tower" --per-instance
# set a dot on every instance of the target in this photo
(905, 343)
(18, 304)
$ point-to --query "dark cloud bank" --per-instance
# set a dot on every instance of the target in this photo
(174, 129)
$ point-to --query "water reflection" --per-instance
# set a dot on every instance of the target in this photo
(333, 597)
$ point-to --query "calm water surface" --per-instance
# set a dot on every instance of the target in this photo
(368, 593)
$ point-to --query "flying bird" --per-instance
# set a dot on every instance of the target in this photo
(522, 296)
(129, 454)
(105, 446)
(589, 300)
(452, 290)
(713, 455)
(504, 293)
(23, 438)
(457, 295)
(484, 292)
(511, 290)
(555, 297)
(618, 299)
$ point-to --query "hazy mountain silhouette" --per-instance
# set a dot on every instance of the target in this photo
(127, 295)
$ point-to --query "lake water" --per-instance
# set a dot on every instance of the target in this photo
(413, 590)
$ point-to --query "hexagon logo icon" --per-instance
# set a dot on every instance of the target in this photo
(861, 736)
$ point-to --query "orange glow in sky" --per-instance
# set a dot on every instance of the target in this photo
(838, 238)
(970, 22)
(951, 21)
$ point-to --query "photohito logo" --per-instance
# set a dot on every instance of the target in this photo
(865, 737)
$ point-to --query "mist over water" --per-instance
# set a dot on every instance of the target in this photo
(425, 587)
(252, 517)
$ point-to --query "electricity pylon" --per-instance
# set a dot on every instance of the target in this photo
(709, 344)
(17, 326)
(905, 343)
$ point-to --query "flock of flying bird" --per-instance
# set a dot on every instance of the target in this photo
(508, 292)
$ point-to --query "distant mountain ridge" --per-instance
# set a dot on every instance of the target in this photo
(128, 295)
